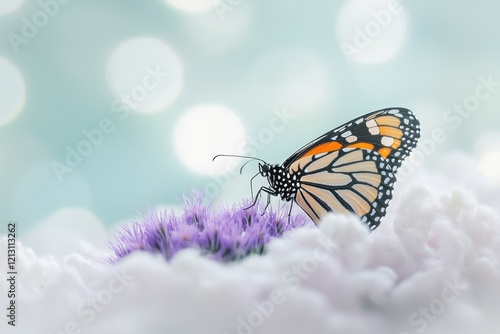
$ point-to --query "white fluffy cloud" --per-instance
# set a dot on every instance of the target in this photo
(432, 266)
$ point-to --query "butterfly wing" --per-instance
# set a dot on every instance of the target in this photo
(346, 180)
(392, 133)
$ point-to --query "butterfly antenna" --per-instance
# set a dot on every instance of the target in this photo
(239, 156)
(246, 163)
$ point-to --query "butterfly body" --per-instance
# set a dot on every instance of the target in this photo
(349, 169)
(282, 182)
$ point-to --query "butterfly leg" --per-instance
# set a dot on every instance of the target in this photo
(251, 183)
(269, 192)
(267, 204)
(290, 211)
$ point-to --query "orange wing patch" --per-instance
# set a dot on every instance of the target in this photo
(388, 120)
(396, 144)
(391, 132)
(323, 148)
(366, 146)
(385, 126)
(384, 152)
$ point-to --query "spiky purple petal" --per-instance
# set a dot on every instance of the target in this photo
(227, 235)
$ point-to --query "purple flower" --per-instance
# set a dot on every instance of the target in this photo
(227, 235)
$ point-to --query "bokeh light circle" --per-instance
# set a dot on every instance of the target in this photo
(145, 74)
(490, 165)
(12, 92)
(59, 233)
(371, 31)
(487, 148)
(10, 6)
(205, 131)
(191, 6)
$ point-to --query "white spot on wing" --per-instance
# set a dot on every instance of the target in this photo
(371, 123)
(351, 139)
(387, 141)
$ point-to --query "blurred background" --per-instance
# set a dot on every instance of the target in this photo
(108, 107)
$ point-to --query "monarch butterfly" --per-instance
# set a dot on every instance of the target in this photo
(348, 169)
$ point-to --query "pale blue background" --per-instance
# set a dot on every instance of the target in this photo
(447, 46)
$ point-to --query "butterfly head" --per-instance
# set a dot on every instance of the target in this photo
(268, 170)
(264, 169)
